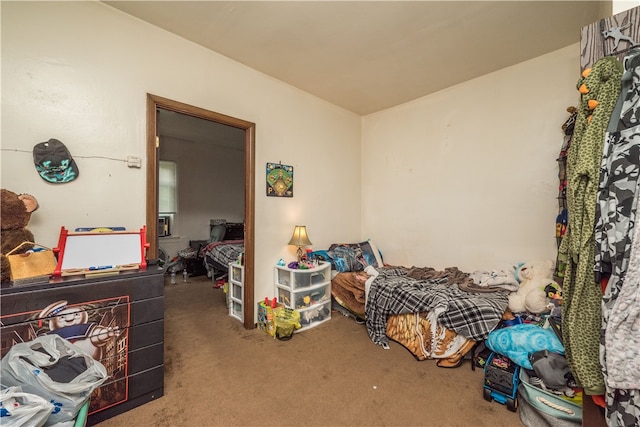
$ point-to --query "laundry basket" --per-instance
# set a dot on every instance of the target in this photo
(548, 403)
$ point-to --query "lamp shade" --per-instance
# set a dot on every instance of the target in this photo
(300, 237)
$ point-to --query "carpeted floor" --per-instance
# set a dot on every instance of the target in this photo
(219, 374)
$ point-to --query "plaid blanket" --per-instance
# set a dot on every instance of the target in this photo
(471, 315)
(224, 252)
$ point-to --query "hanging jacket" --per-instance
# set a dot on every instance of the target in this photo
(581, 310)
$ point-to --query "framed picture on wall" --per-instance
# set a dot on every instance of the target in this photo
(279, 180)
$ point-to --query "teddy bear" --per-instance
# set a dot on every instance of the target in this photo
(532, 294)
(15, 213)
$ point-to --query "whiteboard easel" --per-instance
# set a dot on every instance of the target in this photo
(100, 252)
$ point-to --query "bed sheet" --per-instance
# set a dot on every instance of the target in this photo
(425, 338)
(218, 255)
(348, 290)
(393, 291)
(422, 309)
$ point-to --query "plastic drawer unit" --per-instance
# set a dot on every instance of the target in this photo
(306, 290)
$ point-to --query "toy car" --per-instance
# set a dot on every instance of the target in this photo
(501, 378)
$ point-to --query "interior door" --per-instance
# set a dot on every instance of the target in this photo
(153, 103)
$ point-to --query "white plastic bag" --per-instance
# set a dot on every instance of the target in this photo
(26, 365)
(19, 409)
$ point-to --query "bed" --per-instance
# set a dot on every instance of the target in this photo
(225, 246)
(433, 314)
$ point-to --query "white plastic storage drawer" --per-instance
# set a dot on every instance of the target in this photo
(314, 315)
(235, 291)
(298, 278)
(308, 291)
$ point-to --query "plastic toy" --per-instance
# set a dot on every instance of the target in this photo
(501, 379)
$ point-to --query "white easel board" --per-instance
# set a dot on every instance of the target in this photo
(91, 253)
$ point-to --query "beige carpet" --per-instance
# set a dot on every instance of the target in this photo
(219, 374)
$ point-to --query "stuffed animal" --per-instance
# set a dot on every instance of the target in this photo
(15, 214)
(532, 296)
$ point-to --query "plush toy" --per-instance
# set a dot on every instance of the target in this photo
(554, 293)
(532, 296)
(15, 214)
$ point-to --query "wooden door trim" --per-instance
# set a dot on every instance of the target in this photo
(154, 102)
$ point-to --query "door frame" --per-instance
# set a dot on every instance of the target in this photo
(153, 103)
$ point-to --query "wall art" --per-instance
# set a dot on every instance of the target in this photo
(279, 180)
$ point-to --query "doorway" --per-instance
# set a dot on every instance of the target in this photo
(153, 104)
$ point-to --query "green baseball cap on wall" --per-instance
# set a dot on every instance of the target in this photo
(54, 163)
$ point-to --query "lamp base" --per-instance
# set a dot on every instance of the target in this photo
(299, 252)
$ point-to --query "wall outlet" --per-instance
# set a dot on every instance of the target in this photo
(134, 161)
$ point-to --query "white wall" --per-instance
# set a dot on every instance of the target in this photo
(210, 185)
(464, 177)
(467, 177)
(621, 6)
(80, 72)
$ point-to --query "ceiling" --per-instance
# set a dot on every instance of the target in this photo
(186, 128)
(366, 56)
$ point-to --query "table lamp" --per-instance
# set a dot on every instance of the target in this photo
(300, 239)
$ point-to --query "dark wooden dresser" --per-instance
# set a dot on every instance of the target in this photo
(119, 319)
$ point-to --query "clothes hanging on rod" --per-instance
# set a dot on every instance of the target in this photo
(617, 259)
(581, 310)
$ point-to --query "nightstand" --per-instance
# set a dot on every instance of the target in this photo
(306, 290)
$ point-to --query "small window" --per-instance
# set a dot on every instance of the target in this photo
(167, 187)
